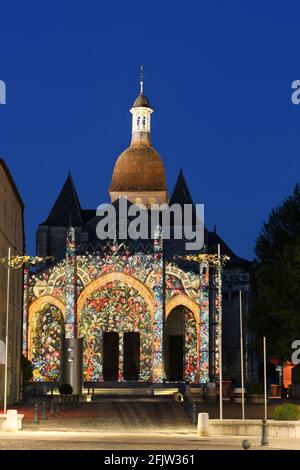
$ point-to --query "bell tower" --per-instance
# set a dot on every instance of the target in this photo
(141, 116)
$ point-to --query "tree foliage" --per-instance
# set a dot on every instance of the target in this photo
(275, 305)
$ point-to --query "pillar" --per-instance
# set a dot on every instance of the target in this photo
(121, 356)
(217, 322)
(71, 288)
(203, 335)
(158, 320)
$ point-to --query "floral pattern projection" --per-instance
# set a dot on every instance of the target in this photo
(190, 347)
(94, 317)
(114, 307)
(46, 338)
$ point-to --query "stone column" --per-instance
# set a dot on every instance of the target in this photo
(158, 320)
(100, 377)
(121, 356)
(218, 323)
(203, 336)
(71, 285)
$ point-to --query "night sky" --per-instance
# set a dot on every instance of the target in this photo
(218, 75)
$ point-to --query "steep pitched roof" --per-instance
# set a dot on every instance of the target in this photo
(67, 207)
(181, 193)
(214, 239)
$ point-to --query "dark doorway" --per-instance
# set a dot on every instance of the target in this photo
(175, 357)
(131, 356)
(110, 356)
(174, 344)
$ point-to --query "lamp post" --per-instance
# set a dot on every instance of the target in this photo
(15, 262)
(6, 331)
(242, 356)
(216, 261)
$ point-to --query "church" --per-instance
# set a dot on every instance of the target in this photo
(145, 314)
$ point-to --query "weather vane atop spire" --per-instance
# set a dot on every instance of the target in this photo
(142, 79)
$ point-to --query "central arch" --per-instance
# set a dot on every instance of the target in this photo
(105, 279)
(186, 301)
(115, 312)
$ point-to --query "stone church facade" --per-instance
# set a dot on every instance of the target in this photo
(144, 313)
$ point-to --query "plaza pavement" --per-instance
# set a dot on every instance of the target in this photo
(131, 424)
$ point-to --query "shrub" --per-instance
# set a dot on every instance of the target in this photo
(286, 412)
(65, 389)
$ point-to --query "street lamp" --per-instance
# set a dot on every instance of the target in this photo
(15, 262)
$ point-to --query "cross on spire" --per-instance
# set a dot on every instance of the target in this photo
(142, 79)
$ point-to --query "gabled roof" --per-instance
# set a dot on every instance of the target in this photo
(67, 207)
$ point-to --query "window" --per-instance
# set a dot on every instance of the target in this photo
(138, 122)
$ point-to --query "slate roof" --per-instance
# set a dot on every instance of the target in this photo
(66, 208)
(141, 101)
(181, 193)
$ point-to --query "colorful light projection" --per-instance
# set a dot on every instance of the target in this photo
(190, 347)
(203, 356)
(71, 286)
(115, 307)
(67, 279)
(46, 339)
(158, 321)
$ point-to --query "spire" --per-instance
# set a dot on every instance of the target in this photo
(141, 115)
(142, 80)
(181, 193)
(66, 207)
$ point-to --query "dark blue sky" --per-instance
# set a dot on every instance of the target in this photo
(218, 75)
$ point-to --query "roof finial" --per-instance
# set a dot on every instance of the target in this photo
(142, 79)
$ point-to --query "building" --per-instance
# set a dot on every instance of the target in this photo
(144, 313)
(11, 235)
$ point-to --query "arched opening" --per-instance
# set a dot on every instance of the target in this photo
(116, 324)
(47, 330)
(174, 336)
(181, 345)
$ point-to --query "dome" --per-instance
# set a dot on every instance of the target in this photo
(139, 168)
(141, 101)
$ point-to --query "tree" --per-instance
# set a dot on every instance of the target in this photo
(275, 302)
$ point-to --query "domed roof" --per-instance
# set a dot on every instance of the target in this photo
(141, 101)
(139, 167)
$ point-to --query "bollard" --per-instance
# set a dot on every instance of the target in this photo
(36, 414)
(52, 408)
(194, 413)
(246, 444)
(63, 404)
(11, 421)
(44, 416)
(264, 436)
(203, 424)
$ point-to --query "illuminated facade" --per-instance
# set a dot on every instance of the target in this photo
(144, 315)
